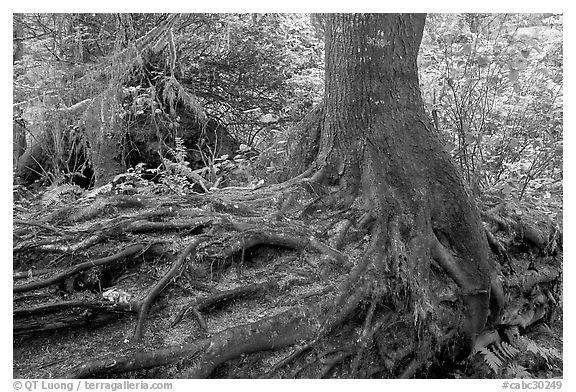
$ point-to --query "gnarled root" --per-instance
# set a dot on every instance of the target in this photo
(271, 333)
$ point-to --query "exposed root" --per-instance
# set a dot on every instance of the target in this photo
(65, 314)
(357, 293)
(450, 265)
(340, 310)
(363, 340)
(475, 295)
(285, 236)
(143, 226)
(485, 339)
(410, 370)
(339, 236)
(392, 360)
(495, 244)
(159, 286)
(92, 209)
(206, 354)
(200, 319)
(220, 298)
(21, 232)
(294, 355)
(129, 251)
(531, 278)
(329, 364)
(142, 360)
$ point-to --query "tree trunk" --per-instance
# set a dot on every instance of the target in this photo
(377, 143)
(104, 136)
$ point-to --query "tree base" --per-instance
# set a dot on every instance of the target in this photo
(268, 286)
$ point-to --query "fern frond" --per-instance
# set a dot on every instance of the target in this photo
(491, 359)
(60, 193)
(533, 347)
(516, 371)
(547, 353)
(508, 350)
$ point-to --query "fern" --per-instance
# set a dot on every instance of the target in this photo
(179, 172)
(491, 359)
(517, 371)
(61, 193)
(495, 355)
(547, 353)
(179, 151)
(508, 350)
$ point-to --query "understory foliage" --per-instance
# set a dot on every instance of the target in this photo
(493, 84)
(248, 75)
(521, 359)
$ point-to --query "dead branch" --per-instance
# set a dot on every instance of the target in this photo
(88, 317)
(30, 273)
(49, 246)
(63, 305)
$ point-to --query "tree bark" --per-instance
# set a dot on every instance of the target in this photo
(378, 144)
(104, 135)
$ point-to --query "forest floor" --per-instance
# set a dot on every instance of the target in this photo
(236, 280)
